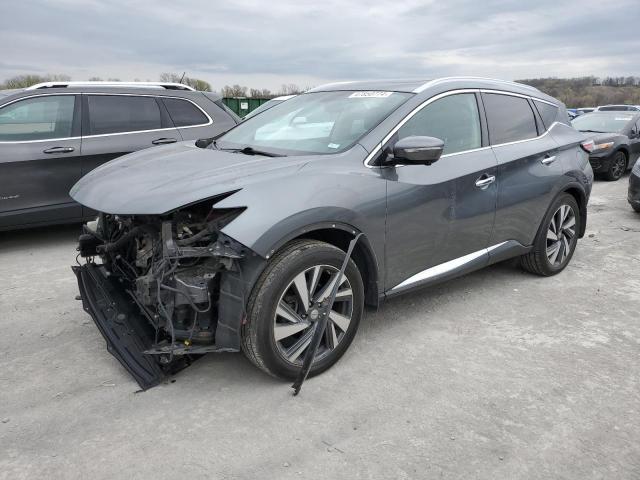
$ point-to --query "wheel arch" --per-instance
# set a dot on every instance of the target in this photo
(579, 194)
(627, 155)
(339, 235)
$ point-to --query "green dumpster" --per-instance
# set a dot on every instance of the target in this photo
(243, 105)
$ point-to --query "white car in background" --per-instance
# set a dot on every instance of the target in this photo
(618, 108)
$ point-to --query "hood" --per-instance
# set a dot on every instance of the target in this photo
(160, 179)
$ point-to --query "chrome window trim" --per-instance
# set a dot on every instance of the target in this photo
(153, 129)
(378, 147)
(530, 97)
(408, 117)
(445, 267)
(210, 122)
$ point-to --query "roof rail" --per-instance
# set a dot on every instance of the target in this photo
(444, 79)
(164, 85)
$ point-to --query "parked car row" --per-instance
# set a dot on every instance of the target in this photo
(576, 112)
(239, 245)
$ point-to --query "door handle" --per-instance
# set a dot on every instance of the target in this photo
(548, 160)
(164, 141)
(59, 150)
(485, 180)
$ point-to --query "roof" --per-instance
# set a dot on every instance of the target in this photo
(420, 85)
(6, 93)
(123, 88)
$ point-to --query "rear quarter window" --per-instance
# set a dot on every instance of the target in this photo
(548, 113)
(509, 118)
(184, 113)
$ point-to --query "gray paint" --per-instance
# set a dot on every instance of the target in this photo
(414, 217)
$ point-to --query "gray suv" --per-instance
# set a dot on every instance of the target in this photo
(52, 134)
(241, 244)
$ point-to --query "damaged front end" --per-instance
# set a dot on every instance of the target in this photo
(163, 289)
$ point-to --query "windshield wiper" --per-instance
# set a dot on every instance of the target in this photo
(252, 151)
(593, 131)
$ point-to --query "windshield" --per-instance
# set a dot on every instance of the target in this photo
(265, 106)
(314, 123)
(598, 122)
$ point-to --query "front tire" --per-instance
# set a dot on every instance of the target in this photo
(617, 167)
(282, 309)
(556, 240)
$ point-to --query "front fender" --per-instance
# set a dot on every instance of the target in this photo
(352, 199)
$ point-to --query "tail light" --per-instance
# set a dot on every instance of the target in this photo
(588, 146)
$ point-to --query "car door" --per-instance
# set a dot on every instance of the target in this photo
(39, 159)
(117, 124)
(529, 166)
(440, 216)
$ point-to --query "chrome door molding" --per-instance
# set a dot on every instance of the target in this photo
(446, 267)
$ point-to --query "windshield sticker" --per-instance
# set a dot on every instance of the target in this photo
(334, 145)
(370, 94)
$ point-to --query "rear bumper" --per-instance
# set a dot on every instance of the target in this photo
(127, 333)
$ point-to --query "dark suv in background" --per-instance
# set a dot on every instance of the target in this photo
(52, 134)
(616, 141)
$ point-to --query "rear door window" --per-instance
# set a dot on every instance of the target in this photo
(122, 113)
(509, 118)
(453, 119)
(38, 118)
(547, 112)
(184, 113)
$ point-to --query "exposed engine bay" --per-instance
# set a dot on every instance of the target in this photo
(169, 267)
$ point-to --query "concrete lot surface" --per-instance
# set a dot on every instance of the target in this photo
(497, 375)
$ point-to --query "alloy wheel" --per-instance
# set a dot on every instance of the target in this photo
(298, 310)
(618, 166)
(560, 235)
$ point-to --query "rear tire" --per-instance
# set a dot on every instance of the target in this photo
(556, 239)
(617, 167)
(276, 308)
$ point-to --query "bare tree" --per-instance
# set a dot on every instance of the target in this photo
(234, 91)
(196, 83)
(24, 81)
(290, 89)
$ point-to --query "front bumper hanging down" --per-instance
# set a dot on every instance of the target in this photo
(127, 333)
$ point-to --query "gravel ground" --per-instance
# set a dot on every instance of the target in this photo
(496, 375)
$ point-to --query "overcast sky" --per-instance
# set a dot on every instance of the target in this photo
(268, 43)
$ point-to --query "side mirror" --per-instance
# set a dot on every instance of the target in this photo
(416, 151)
